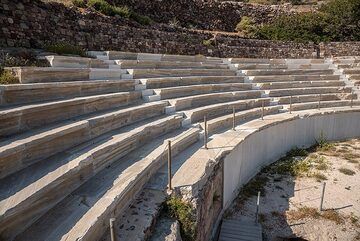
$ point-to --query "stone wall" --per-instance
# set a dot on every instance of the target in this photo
(340, 49)
(33, 24)
(210, 15)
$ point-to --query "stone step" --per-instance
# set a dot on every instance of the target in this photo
(282, 78)
(307, 91)
(30, 93)
(226, 121)
(107, 194)
(215, 110)
(308, 66)
(256, 61)
(153, 73)
(252, 66)
(46, 74)
(164, 82)
(288, 72)
(314, 97)
(43, 185)
(242, 230)
(324, 104)
(23, 150)
(181, 91)
(75, 62)
(352, 71)
(275, 61)
(14, 120)
(115, 55)
(354, 77)
(299, 84)
(212, 98)
(154, 64)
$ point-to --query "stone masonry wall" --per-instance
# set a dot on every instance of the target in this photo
(210, 14)
(33, 24)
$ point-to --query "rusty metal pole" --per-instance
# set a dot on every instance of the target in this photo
(206, 133)
(234, 121)
(112, 231)
(169, 166)
(322, 196)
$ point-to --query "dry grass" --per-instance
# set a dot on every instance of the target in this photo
(332, 215)
(303, 212)
(347, 171)
(319, 176)
(308, 212)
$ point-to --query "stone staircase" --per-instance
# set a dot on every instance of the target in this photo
(79, 141)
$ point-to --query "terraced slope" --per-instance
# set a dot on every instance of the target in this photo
(80, 140)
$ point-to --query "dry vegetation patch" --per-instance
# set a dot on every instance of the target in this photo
(291, 192)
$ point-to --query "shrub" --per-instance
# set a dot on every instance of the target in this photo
(123, 11)
(6, 77)
(185, 214)
(65, 48)
(79, 3)
(336, 21)
(246, 26)
(144, 20)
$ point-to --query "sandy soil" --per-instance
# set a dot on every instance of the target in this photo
(290, 205)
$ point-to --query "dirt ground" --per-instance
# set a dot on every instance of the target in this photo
(292, 189)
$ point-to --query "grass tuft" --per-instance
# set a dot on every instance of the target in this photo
(66, 49)
(347, 171)
(185, 214)
(7, 77)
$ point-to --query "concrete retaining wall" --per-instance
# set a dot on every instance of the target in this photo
(264, 146)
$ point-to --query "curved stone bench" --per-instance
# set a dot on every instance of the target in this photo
(282, 78)
(15, 120)
(108, 194)
(29, 93)
(181, 91)
(307, 91)
(153, 64)
(289, 72)
(154, 73)
(213, 98)
(40, 187)
(211, 111)
(23, 150)
(300, 84)
(165, 82)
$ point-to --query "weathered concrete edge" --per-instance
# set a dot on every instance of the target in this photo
(249, 129)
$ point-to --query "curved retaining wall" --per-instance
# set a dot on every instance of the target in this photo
(270, 142)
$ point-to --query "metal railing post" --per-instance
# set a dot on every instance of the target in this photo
(352, 99)
(319, 105)
(257, 208)
(206, 133)
(262, 110)
(112, 231)
(234, 121)
(322, 196)
(169, 166)
(290, 108)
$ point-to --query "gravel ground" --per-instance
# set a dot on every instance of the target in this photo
(290, 205)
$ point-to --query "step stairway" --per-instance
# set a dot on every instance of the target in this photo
(240, 230)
